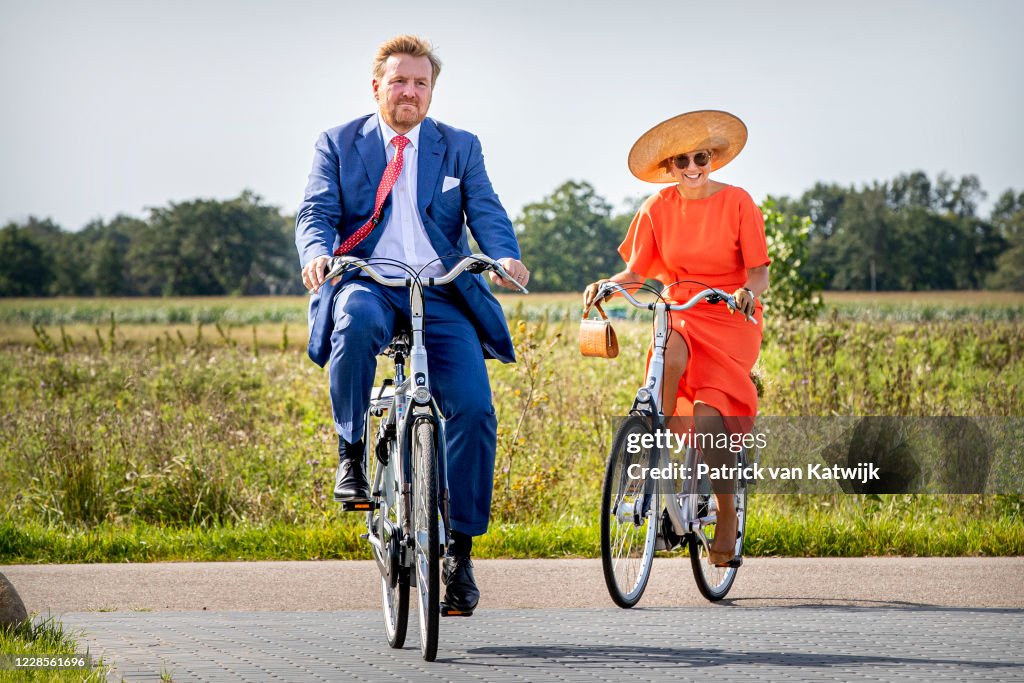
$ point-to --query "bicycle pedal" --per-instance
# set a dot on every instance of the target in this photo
(358, 505)
(447, 611)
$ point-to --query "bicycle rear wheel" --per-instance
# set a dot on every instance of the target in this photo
(386, 525)
(714, 582)
(630, 510)
(425, 529)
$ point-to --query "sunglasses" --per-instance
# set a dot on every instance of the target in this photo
(682, 161)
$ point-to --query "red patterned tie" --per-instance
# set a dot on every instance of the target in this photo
(387, 182)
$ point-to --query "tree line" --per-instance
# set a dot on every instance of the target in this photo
(909, 233)
(913, 233)
(196, 248)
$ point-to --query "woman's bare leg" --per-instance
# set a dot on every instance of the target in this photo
(711, 428)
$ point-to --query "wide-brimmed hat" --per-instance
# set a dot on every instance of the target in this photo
(711, 129)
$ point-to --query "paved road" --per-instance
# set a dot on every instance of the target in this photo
(800, 619)
(659, 644)
(318, 586)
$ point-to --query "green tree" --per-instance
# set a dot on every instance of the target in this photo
(569, 239)
(1008, 222)
(210, 247)
(106, 272)
(24, 270)
(793, 293)
(908, 233)
(63, 252)
(862, 247)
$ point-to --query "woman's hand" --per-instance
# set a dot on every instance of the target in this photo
(591, 292)
(745, 301)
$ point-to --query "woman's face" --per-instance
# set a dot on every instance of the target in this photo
(697, 166)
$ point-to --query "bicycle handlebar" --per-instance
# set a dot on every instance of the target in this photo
(609, 288)
(339, 264)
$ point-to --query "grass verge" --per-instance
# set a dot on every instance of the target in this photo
(794, 526)
(45, 638)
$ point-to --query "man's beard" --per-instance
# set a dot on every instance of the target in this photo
(406, 116)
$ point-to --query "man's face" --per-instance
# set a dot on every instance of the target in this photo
(403, 92)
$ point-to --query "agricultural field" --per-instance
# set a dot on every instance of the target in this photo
(152, 429)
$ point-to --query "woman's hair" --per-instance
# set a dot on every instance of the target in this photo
(406, 45)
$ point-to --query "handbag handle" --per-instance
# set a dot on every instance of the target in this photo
(597, 305)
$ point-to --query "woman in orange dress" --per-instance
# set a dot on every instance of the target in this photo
(694, 234)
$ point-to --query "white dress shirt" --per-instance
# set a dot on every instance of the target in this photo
(404, 238)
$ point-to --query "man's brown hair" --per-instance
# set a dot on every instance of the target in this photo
(406, 45)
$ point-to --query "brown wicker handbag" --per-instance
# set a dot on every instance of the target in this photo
(597, 336)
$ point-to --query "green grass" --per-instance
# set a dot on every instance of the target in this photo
(45, 637)
(158, 442)
(779, 525)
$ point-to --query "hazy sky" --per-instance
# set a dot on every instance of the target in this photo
(111, 107)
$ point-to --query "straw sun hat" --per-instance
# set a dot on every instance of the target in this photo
(718, 131)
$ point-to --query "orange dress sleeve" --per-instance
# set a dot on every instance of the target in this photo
(640, 250)
(753, 244)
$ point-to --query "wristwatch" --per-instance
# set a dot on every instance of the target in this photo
(751, 292)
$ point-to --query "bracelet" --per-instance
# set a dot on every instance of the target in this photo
(751, 292)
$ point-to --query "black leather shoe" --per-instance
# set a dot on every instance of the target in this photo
(350, 481)
(461, 593)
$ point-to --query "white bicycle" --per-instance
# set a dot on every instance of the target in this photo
(407, 521)
(641, 513)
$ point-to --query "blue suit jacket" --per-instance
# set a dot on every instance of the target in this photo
(347, 167)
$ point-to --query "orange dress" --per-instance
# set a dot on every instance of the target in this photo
(690, 244)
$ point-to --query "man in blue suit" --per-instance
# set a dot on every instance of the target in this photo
(395, 184)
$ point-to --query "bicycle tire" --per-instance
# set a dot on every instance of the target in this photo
(386, 525)
(425, 531)
(395, 601)
(628, 528)
(714, 582)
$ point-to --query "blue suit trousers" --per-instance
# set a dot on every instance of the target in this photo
(365, 317)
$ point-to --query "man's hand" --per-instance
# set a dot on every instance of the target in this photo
(516, 270)
(314, 272)
(745, 301)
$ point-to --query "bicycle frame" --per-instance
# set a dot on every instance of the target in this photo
(411, 402)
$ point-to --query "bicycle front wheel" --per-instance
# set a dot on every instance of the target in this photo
(714, 582)
(630, 508)
(425, 528)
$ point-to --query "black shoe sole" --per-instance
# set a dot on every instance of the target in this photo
(352, 498)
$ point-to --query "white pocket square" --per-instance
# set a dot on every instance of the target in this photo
(449, 183)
